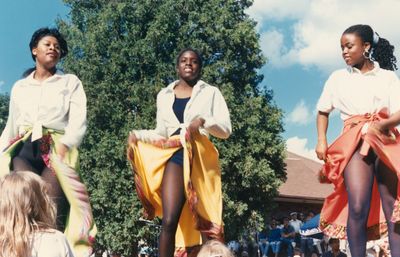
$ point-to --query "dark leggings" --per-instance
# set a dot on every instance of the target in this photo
(173, 199)
(55, 191)
(359, 177)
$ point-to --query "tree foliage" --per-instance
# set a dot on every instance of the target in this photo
(4, 102)
(124, 52)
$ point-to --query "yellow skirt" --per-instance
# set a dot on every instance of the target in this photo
(80, 229)
(202, 212)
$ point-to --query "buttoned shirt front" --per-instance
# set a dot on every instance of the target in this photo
(206, 102)
(58, 103)
(354, 93)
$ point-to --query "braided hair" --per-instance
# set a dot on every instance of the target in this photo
(380, 51)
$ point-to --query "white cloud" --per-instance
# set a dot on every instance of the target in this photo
(279, 10)
(301, 114)
(299, 146)
(273, 45)
(317, 26)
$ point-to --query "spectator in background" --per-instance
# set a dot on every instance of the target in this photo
(287, 235)
(296, 224)
(262, 242)
(274, 238)
(334, 243)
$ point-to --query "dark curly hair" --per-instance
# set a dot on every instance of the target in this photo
(382, 51)
(43, 32)
(37, 36)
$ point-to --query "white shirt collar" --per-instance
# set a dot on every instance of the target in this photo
(56, 76)
(375, 70)
(171, 86)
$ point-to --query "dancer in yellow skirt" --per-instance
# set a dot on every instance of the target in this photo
(176, 168)
(46, 123)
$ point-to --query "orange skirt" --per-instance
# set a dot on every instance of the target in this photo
(334, 213)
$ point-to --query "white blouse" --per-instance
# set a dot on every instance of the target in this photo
(51, 243)
(206, 102)
(59, 103)
(354, 93)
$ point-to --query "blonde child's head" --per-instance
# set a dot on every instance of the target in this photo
(25, 207)
(214, 248)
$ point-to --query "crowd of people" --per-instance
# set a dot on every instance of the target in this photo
(281, 237)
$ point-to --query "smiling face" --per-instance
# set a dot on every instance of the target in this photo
(188, 66)
(353, 48)
(47, 52)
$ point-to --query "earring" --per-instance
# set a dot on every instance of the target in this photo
(368, 55)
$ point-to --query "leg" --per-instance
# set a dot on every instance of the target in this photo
(387, 184)
(303, 245)
(289, 247)
(57, 195)
(264, 248)
(310, 246)
(358, 177)
(173, 199)
(276, 247)
(20, 164)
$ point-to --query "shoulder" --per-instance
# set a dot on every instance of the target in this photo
(52, 234)
(338, 74)
(18, 86)
(69, 77)
(56, 239)
(209, 91)
(166, 91)
(388, 74)
(205, 86)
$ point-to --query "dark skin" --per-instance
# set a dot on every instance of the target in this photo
(352, 52)
(48, 54)
(189, 72)
(360, 171)
(172, 188)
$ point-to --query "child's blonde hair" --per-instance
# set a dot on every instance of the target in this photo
(25, 207)
(214, 248)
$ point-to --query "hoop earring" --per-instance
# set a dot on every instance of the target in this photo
(368, 55)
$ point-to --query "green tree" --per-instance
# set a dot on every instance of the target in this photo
(4, 101)
(124, 52)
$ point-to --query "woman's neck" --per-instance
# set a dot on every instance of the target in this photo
(184, 89)
(42, 73)
(366, 66)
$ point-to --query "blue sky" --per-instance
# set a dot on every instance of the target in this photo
(300, 38)
(18, 20)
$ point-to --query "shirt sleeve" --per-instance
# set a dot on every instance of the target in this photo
(160, 132)
(66, 248)
(76, 128)
(11, 130)
(218, 123)
(394, 95)
(325, 102)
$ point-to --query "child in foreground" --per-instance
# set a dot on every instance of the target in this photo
(27, 219)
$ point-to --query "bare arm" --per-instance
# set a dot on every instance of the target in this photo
(322, 127)
(385, 125)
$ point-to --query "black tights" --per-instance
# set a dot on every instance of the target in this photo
(359, 177)
(55, 191)
(173, 199)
